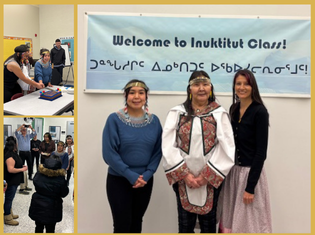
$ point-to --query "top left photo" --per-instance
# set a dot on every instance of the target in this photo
(38, 60)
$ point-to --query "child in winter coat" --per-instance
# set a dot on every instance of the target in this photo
(51, 187)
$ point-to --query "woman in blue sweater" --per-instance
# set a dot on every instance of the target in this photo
(43, 70)
(132, 149)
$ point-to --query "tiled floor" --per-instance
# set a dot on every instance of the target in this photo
(21, 205)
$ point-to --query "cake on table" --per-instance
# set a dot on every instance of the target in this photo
(50, 95)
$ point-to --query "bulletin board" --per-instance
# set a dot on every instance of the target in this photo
(9, 43)
(70, 42)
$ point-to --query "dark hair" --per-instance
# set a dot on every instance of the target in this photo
(41, 52)
(17, 56)
(55, 157)
(68, 136)
(27, 48)
(251, 80)
(10, 144)
(48, 134)
(54, 162)
(126, 91)
(187, 103)
(61, 143)
(57, 40)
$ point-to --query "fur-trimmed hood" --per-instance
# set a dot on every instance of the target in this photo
(50, 172)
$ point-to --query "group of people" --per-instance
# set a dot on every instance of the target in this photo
(212, 158)
(17, 69)
(51, 180)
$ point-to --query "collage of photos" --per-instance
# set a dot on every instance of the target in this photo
(157, 118)
(38, 119)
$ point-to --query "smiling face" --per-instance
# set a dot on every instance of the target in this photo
(69, 141)
(200, 92)
(136, 98)
(46, 57)
(242, 88)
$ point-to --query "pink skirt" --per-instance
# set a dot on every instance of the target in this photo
(235, 216)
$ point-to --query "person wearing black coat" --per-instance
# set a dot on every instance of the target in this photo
(46, 203)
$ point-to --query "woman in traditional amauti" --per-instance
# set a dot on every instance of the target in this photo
(198, 152)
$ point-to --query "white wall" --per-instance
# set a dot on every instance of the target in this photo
(27, 26)
(49, 22)
(287, 166)
(14, 122)
(56, 21)
(62, 122)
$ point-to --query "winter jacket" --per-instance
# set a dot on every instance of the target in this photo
(50, 186)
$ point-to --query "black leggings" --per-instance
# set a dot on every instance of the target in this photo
(50, 228)
(187, 220)
(128, 205)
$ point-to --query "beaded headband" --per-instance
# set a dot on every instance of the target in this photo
(199, 79)
(45, 52)
(137, 84)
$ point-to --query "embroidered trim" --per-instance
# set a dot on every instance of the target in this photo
(201, 210)
(134, 122)
(184, 133)
(211, 176)
(177, 174)
(45, 65)
(211, 107)
(209, 126)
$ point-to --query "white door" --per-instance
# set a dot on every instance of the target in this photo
(38, 126)
(70, 129)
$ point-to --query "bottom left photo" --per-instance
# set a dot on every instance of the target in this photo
(38, 180)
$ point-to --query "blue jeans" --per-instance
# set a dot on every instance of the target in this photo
(9, 196)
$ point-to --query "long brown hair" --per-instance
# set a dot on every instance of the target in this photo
(251, 80)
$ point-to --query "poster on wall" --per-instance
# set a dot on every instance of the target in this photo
(70, 42)
(10, 42)
(164, 51)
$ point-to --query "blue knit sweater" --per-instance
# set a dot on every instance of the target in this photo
(132, 148)
(42, 73)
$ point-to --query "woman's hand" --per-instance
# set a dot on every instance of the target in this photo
(191, 181)
(39, 85)
(49, 84)
(201, 180)
(140, 182)
(24, 168)
(248, 198)
(5, 186)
